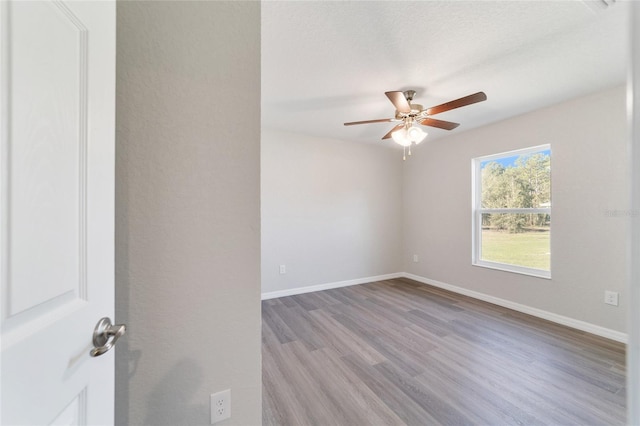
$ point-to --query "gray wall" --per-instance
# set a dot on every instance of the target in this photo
(331, 210)
(589, 178)
(188, 211)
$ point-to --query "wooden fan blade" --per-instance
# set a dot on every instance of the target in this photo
(467, 100)
(399, 101)
(388, 135)
(441, 124)
(382, 120)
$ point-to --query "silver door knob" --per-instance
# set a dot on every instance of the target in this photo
(105, 336)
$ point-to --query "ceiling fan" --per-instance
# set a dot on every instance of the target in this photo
(409, 114)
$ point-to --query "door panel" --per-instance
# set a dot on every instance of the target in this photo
(58, 87)
(48, 146)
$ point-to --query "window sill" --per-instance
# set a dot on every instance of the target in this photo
(538, 273)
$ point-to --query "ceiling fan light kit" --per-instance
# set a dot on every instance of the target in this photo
(408, 133)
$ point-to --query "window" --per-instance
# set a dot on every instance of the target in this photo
(512, 211)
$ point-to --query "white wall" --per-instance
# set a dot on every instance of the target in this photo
(589, 177)
(187, 211)
(331, 210)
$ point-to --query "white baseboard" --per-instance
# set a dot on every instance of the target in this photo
(550, 316)
(328, 286)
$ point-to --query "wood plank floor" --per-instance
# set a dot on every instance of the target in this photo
(398, 352)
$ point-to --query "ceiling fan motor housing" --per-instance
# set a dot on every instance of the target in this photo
(416, 109)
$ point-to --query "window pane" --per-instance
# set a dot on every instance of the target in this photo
(519, 181)
(516, 239)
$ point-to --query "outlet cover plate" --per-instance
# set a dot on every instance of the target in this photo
(220, 406)
(611, 298)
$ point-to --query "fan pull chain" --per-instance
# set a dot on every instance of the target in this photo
(404, 153)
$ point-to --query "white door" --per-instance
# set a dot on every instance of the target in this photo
(57, 82)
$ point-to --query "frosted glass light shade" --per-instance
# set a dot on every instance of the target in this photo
(416, 135)
(401, 138)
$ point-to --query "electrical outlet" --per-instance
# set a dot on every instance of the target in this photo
(611, 298)
(220, 406)
(416, 259)
(283, 269)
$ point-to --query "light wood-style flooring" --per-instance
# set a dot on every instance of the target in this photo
(399, 352)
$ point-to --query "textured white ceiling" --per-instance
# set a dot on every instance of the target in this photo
(328, 62)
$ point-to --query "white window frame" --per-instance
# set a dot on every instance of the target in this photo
(477, 211)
